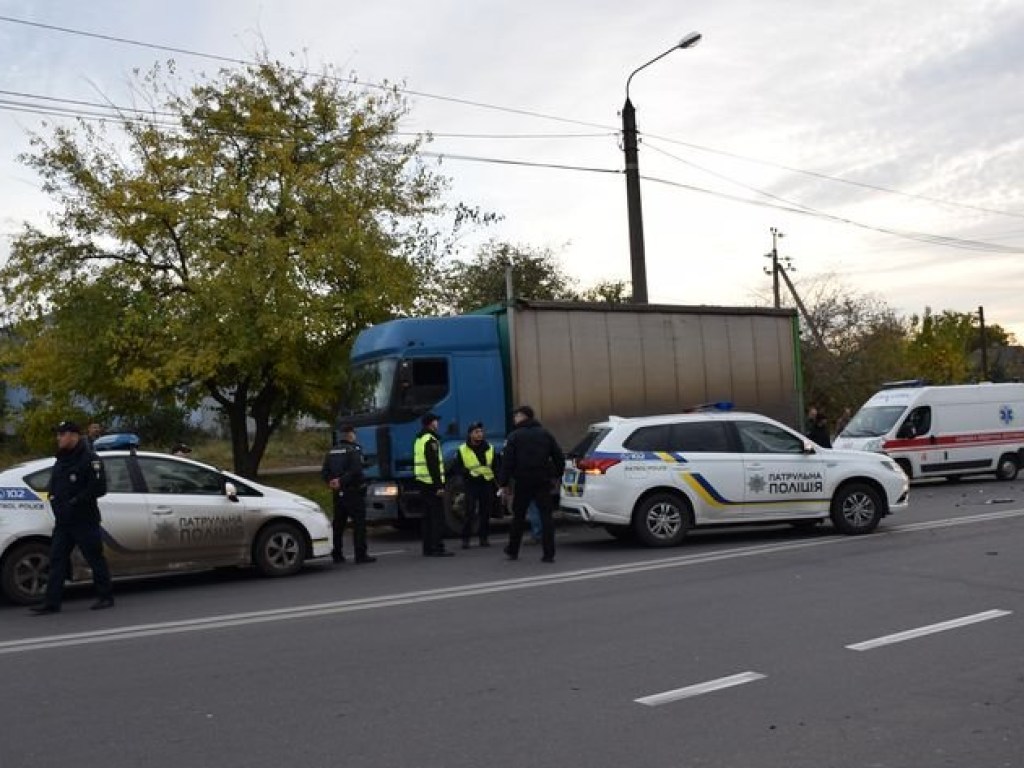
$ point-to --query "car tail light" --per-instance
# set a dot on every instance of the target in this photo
(595, 466)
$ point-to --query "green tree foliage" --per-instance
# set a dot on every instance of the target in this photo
(944, 346)
(480, 281)
(229, 245)
(865, 344)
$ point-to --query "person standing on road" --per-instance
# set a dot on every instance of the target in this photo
(343, 473)
(428, 471)
(475, 462)
(76, 482)
(818, 430)
(534, 461)
(94, 432)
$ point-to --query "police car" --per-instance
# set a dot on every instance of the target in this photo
(659, 476)
(160, 514)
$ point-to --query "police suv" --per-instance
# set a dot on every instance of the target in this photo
(160, 514)
(659, 476)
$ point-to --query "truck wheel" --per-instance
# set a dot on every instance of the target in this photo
(1007, 467)
(26, 570)
(280, 550)
(856, 509)
(662, 520)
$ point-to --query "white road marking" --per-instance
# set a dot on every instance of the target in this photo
(658, 699)
(469, 590)
(931, 629)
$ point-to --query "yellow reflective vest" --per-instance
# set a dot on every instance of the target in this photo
(419, 459)
(472, 462)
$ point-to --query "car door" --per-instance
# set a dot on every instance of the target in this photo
(124, 514)
(782, 477)
(191, 521)
(713, 469)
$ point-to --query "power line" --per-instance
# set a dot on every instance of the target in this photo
(495, 107)
(837, 179)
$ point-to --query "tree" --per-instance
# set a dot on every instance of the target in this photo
(864, 345)
(536, 274)
(608, 292)
(228, 244)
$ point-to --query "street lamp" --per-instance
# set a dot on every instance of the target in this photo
(637, 258)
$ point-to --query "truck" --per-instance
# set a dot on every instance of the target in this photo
(575, 363)
(948, 431)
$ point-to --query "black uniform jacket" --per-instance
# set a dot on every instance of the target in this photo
(531, 453)
(76, 482)
(344, 462)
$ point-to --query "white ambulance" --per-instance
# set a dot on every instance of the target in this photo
(947, 431)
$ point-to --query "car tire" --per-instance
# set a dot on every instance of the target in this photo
(280, 550)
(26, 569)
(619, 532)
(856, 509)
(1007, 467)
(662, 520)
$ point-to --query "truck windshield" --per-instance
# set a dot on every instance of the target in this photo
(371, 387)
(874, 421)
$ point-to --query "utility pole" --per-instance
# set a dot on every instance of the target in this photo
(776, 267)
(984, 345)
(803, 309)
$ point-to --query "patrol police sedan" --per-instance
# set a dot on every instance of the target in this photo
(160, 514)
(657, 477)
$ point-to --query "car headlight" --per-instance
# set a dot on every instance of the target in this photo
(892, 465)
(875, 446)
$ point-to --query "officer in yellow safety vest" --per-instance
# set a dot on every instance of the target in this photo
(428, 471)
(475, 462)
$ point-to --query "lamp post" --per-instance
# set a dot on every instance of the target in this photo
(637, 258)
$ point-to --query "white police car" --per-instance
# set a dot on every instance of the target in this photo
(659, 476)
(160, 514)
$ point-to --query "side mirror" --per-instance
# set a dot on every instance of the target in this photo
(230, 491)
(810, 447)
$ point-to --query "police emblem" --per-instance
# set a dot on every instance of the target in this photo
(756, 483)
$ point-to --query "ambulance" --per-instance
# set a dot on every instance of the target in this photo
(945, 431)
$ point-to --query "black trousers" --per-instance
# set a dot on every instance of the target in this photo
(432, 520)
(88, 537)
(537, 490)
(349, 505)
(479, 501)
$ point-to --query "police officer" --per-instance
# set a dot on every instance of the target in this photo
(428, 471)
(343, 472)
(76, 482)
(475, 462)
(534, 461)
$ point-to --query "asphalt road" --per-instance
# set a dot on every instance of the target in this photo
(758, 647)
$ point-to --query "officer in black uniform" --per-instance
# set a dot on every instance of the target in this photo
(428, 471)
(76, 482)
(533, 461)
(343, 472)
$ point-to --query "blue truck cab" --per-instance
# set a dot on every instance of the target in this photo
(401, 369)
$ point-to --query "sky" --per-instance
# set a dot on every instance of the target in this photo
(884, 140)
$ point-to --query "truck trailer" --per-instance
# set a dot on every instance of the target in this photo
(574, 363)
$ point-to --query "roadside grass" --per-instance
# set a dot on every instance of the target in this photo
(306, 484)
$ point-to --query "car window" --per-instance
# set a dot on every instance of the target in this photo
(919, 422)
(758, 437)
(700, 437)
(118, 478)
(589, 442)
(39, 481)
(656, 438)
(170, 476)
